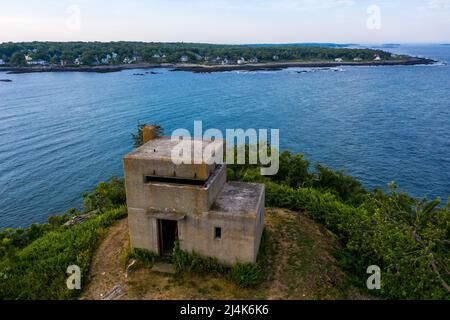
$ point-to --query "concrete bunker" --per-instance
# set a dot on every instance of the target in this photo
(192, 203)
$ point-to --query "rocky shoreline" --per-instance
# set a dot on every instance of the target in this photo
(215, 68)
(284, 65)
(94, 69)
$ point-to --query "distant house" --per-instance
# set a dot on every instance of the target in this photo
(157, 56)
(357, 59)
(63, 63)
(184, 58)
(241, 61)
(2, 62)
(254, 60)
(198, 57)
(28, 58)
(338, 59)
(129, 60)
(38, 62)
(107, 59)
(115, 56)
(136, 58)
(78, 61)
(377, 57)
(275, 58)
(225, 61)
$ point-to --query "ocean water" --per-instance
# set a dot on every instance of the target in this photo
(62, 133)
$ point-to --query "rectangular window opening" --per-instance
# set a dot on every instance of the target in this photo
(174, 180)
(218, 233)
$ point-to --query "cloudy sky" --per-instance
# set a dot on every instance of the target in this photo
(227, 21)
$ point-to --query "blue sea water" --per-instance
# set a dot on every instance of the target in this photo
(62, 133)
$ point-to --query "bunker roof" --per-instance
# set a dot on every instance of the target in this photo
(161, 149)
(239, 199)
(159, 162)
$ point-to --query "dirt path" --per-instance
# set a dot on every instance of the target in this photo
(107, 268)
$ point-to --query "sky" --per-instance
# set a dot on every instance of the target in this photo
(227, 21)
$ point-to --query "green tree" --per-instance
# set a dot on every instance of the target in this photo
(18, 59)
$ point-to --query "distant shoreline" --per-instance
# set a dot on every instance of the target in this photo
(271, 66)
(283, 65)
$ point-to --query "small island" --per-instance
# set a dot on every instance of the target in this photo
(102, 57)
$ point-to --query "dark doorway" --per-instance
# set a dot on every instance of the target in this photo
(168, 234)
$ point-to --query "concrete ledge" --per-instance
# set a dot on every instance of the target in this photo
(239, 200)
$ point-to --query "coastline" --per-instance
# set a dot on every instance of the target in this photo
(196, 68)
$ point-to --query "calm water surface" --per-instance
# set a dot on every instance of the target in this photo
(62, 133)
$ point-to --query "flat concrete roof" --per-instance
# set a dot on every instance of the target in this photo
(161, 149)
(239, 199)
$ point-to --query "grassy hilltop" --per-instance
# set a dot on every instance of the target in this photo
(353, 228)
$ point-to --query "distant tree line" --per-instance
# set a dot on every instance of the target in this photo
(93, 53)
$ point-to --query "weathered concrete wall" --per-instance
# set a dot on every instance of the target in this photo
(236, 244)
(177, 197)
(259, 223)
(236, 208)
(239, 211)
(143, 230)
(155, 158)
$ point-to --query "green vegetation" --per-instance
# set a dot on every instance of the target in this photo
(106, 196)
(244, 275)
(407, 238)
(138, 138)
(34, 261)
(113, 53)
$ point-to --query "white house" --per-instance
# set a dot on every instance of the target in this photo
(254, 60)
(28, 58)
(106, 59)
(275, 58)
(2, 62)
(225, 61)
(156, 56)
(184, 58)
(357, 59)
(241, 61)
(38, 62)
(338, 59)
(78, 61)
(129, 61)
(377, 58)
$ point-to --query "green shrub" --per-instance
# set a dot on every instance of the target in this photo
(105, 196)
(243, 275)
(145, 256)
(38, 271)
(346, 188)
